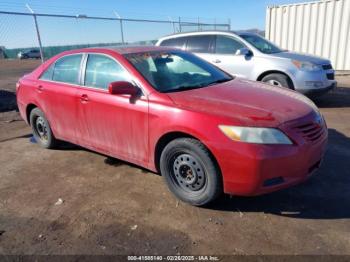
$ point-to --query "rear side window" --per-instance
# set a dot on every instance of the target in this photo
(200, 43)
(102, 70)
(67, 69)
(47, 75)
(227, 45)
(174, 42)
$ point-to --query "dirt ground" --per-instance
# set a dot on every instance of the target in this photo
(112, 207)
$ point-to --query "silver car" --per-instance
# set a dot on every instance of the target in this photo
(251, 56)
(33, 53)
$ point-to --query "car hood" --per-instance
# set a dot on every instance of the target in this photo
(250, 103)
(302, 57)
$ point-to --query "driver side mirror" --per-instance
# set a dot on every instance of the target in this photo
(244, 52)
(123, 88)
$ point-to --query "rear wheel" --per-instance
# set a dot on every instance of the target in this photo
(41, 129)
(279, 80)
(190, 171)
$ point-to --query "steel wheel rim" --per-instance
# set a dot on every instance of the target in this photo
(188, 173)
(41, 128)
(274, 82)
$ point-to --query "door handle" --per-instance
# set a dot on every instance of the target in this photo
(84, 98)
(216, 61)
(40, 88)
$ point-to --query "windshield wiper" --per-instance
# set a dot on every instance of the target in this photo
(183, 88)
(189, 87)
(218, 81)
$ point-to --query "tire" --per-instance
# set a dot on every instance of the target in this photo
(190, 171)
(41, 129)
(277, 79)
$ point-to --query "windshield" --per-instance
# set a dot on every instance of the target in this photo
(261, 44)
(172, 71)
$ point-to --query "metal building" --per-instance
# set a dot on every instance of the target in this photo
(320, 28)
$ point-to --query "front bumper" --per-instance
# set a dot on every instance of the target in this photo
(314, 83)
(251, 169)
(319, 91)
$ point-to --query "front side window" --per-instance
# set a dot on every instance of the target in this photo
(67, 69)
(261, 44)
(227, 45)
(199, 43)
(173, 71)
(102, 70)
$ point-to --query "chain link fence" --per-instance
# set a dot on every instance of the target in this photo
(54, 33)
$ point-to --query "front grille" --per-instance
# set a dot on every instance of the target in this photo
(327, 67)
(311, 131)
(330, 76)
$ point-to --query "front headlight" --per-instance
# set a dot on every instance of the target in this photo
(256, 135)
(306, 66)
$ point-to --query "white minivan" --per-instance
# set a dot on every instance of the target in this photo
(251, 56)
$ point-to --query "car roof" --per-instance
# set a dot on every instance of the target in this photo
(221, 32)
(138, 49)
(199, 32)
(122, 50)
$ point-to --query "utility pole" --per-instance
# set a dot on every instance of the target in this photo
(121, 25)
(37, 33)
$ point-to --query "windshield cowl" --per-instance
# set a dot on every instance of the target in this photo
(184, 88)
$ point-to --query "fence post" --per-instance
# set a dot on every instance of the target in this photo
(172, 21)
(37, 33)
(121, 26)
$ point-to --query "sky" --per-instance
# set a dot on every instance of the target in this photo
(19, 31)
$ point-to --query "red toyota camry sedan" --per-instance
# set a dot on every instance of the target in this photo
(169, 111)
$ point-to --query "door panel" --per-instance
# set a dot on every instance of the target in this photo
(59, 105)
(57, 92)
(113, 124)
(225, 57)
(237, 65)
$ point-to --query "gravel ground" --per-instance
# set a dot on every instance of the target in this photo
(74, 201)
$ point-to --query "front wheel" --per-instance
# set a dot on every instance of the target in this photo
(41, 129)
(279, 80)
(190, 171)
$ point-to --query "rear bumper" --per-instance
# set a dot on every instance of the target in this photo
(22, 110)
